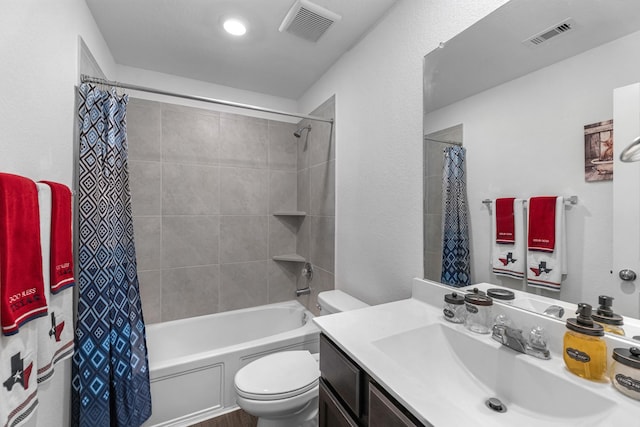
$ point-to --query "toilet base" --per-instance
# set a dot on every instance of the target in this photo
(307, 417)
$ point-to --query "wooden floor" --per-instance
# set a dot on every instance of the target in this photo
(237, 418)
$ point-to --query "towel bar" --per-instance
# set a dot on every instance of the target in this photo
(573, 200)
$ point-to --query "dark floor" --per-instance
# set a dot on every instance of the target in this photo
(237, 418)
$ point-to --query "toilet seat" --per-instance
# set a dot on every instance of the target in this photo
(278, 376)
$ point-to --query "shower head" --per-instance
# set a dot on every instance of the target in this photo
(298, 133)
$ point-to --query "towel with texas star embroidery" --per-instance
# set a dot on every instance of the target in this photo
(18, 381)
(508, 241)
(546, 243)
(55, 332)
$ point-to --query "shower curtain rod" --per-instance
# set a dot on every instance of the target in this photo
(89, 79)
(443, 141)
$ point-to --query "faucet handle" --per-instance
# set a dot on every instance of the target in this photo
(502, 320)
(538, 338)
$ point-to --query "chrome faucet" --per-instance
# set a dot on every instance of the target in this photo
(513, 338)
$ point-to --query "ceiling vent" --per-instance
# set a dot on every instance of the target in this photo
(546, 35)
(308, 20)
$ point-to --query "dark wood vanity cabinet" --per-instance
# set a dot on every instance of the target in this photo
(384, 412)
(342, 383)
(331, 411)
(350, 398)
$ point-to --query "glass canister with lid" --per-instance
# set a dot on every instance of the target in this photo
(478, 318)
(454, 309)
(500, 294)
(625, 371)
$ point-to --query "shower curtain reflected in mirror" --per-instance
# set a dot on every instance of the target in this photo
(110, 384)
(456, 267)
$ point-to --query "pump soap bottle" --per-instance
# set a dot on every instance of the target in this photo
(610, 321)
(585, 351)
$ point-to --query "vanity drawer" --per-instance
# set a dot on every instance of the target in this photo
(383, 412)
(331, 412)
(343, 376)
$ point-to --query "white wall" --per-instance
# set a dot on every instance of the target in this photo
(526, 138)
(39, 51)
(378, 87)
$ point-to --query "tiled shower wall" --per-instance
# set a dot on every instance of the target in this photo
(204, 186)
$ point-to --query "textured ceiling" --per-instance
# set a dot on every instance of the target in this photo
(185, 38)
(492, 51)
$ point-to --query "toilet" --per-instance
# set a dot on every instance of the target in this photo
(281, 389)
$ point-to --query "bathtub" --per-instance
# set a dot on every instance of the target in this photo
(192, 362)
(603, 167)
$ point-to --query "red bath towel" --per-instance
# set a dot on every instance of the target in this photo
(542, 223)
(505, 224)
(61, 265)
(21, 284)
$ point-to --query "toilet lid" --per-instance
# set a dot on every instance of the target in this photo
(278, 376)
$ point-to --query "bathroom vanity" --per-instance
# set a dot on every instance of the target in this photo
(350, 397)
(402, 364)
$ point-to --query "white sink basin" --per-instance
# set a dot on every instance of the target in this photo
(465, 369)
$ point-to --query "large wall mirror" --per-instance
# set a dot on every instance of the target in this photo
(517, 90)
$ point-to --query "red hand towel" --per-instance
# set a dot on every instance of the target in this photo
(505, 224)
(61, 265)
(542, 223)
(21, 284)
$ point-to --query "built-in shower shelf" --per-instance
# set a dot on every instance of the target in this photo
(290, 258)
(289, 213)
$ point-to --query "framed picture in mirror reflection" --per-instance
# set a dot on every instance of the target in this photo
(598, 151)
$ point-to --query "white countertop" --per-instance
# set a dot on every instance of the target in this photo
(356, 331)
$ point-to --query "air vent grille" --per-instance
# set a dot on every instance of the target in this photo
(308, 20)
(549, 33)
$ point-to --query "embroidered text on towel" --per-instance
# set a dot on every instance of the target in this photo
(21, 284)
(542, 223)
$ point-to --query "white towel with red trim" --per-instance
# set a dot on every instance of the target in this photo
(509, 259)
(547, 243)
(18, 367)
(55, 332)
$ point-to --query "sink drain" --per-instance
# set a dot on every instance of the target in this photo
(495, 404)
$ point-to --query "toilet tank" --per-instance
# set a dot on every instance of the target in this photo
(337, 301)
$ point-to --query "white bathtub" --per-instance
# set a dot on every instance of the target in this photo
(193, 361)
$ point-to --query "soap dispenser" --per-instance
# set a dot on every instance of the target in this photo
(585, 351)
(610, 321)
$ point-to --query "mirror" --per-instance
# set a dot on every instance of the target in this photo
(518, 88)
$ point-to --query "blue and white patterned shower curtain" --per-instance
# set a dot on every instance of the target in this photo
(110, 385)
(456, 268)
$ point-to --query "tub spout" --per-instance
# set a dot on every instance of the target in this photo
(305, 291)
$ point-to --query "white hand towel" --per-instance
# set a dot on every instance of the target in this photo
(546, 269)
(55, 334)
(509, 259)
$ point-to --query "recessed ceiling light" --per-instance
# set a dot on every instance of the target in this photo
(234, 27)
